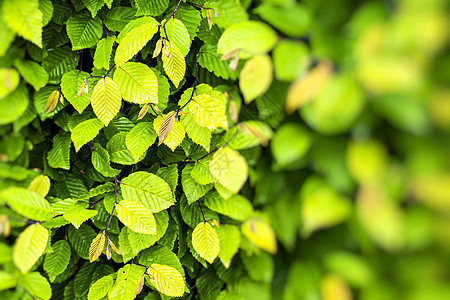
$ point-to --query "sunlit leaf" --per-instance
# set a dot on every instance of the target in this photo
(206, 241)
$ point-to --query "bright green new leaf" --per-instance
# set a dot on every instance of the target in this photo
(27, 203)
(118, 150)
(36, 285)
(40, 185)
(29, 246)
(59, 156)
(206, 241)
(118, 17)
(151, 8)
(32, 72)
(85, 132)
(78, 214)
(249, 38)
(256, 77)
(140, 138)
(208, 110)
(147, 189)
(7, 280)
(198, 134)
(128, 278)
(167, 280)
(137, 83)
(93, 6)
(57, 261)
(290, 60)
(134, 37)
(250, 133)
(84, 31)
(103, 51)
(136, 216)
(192, 189)
(7, 37)
(230, 238)
(13, 105)
(237, 207)
(70, 84)
(106, 100)
(101, 287)
(260, 233)
(171, 132)
(178, 35)
(229, 168)
(101, 162)
(9, 80)
(24, 18)
(174, 63)
(201, 173)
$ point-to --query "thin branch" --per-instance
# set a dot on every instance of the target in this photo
(193, 90)
(202, 7)
(201, 210)
(93, 204)
(171, 15)
(115, 203)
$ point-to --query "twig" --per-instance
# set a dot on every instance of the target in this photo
(201, 210)
(115, 203)
(193, 90)
(171, 15)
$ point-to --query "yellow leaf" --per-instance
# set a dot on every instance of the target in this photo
(52, 101)
(176, 133)
(166, 127)
(206, 241)
(40, 185)
(143, 111)
(256, 77)
(5, 226)
(114, 247)
(167, 280)
(158, 48)
(106, 100)
(229, 168)
(174, 64)
(140, 284)
(307, 87)
(97, 246)
(333, 287)
(209, 110)
(29, 246)
(260, 233)
(136, 217)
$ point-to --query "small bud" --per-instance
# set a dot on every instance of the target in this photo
(229, 54)
(114, 247)
(215, 223)
(167, 49)
(52, 101)
(82, 88)
(61, 98)
(158, 48)
(86, 88)
(209, 18)
(234, 63)
(216, 14)
(108, 252)
(140, 285)
(143, 111)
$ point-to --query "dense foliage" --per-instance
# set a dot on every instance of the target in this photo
(224, 149)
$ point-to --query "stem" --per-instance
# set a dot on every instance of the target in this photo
(115, 203)
(201, 210)
(201, 6)
(193, 90)
(93, 204)
(151, 106)
(171, 15)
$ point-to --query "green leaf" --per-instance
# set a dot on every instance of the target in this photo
(191, 188)
(229, 168)
(127, 280)
(29, 246)
(98, 190)
(85, 131)
(250, 134)
(209, 58)
(118, 150)
(9, 81)
(290, 144)
(6, 37)
(118, 17)
(103, 52)
(171, 135)
(256, 77)
(198, 134)
(249, 38)
(46, 7)
(229, 12)
(205, 241)
(178, 35)
(93, 6)
(78, 214)
(136, 216)
(29, 204)
(167, 280)
(236, 207)
(106, 100)
(208, 110)
(137, 83)
(100, 161)
(13, 105)
(32, 72)
(190, 17)
(36, 285)
(81, 239)
(24, 18)
(140, 138)
(101, 287)
(147, 189)
(134, 37)
(290, 59)
(59, 61)
(201, 173)
(7, 280)
(84, 31)
(151, 8)
(57, 261)
(162, 255)
(170, 175)
(230, 239)
(259, 266)
(293, 20)
(174, 64)
(40, 185)
(59, 156)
